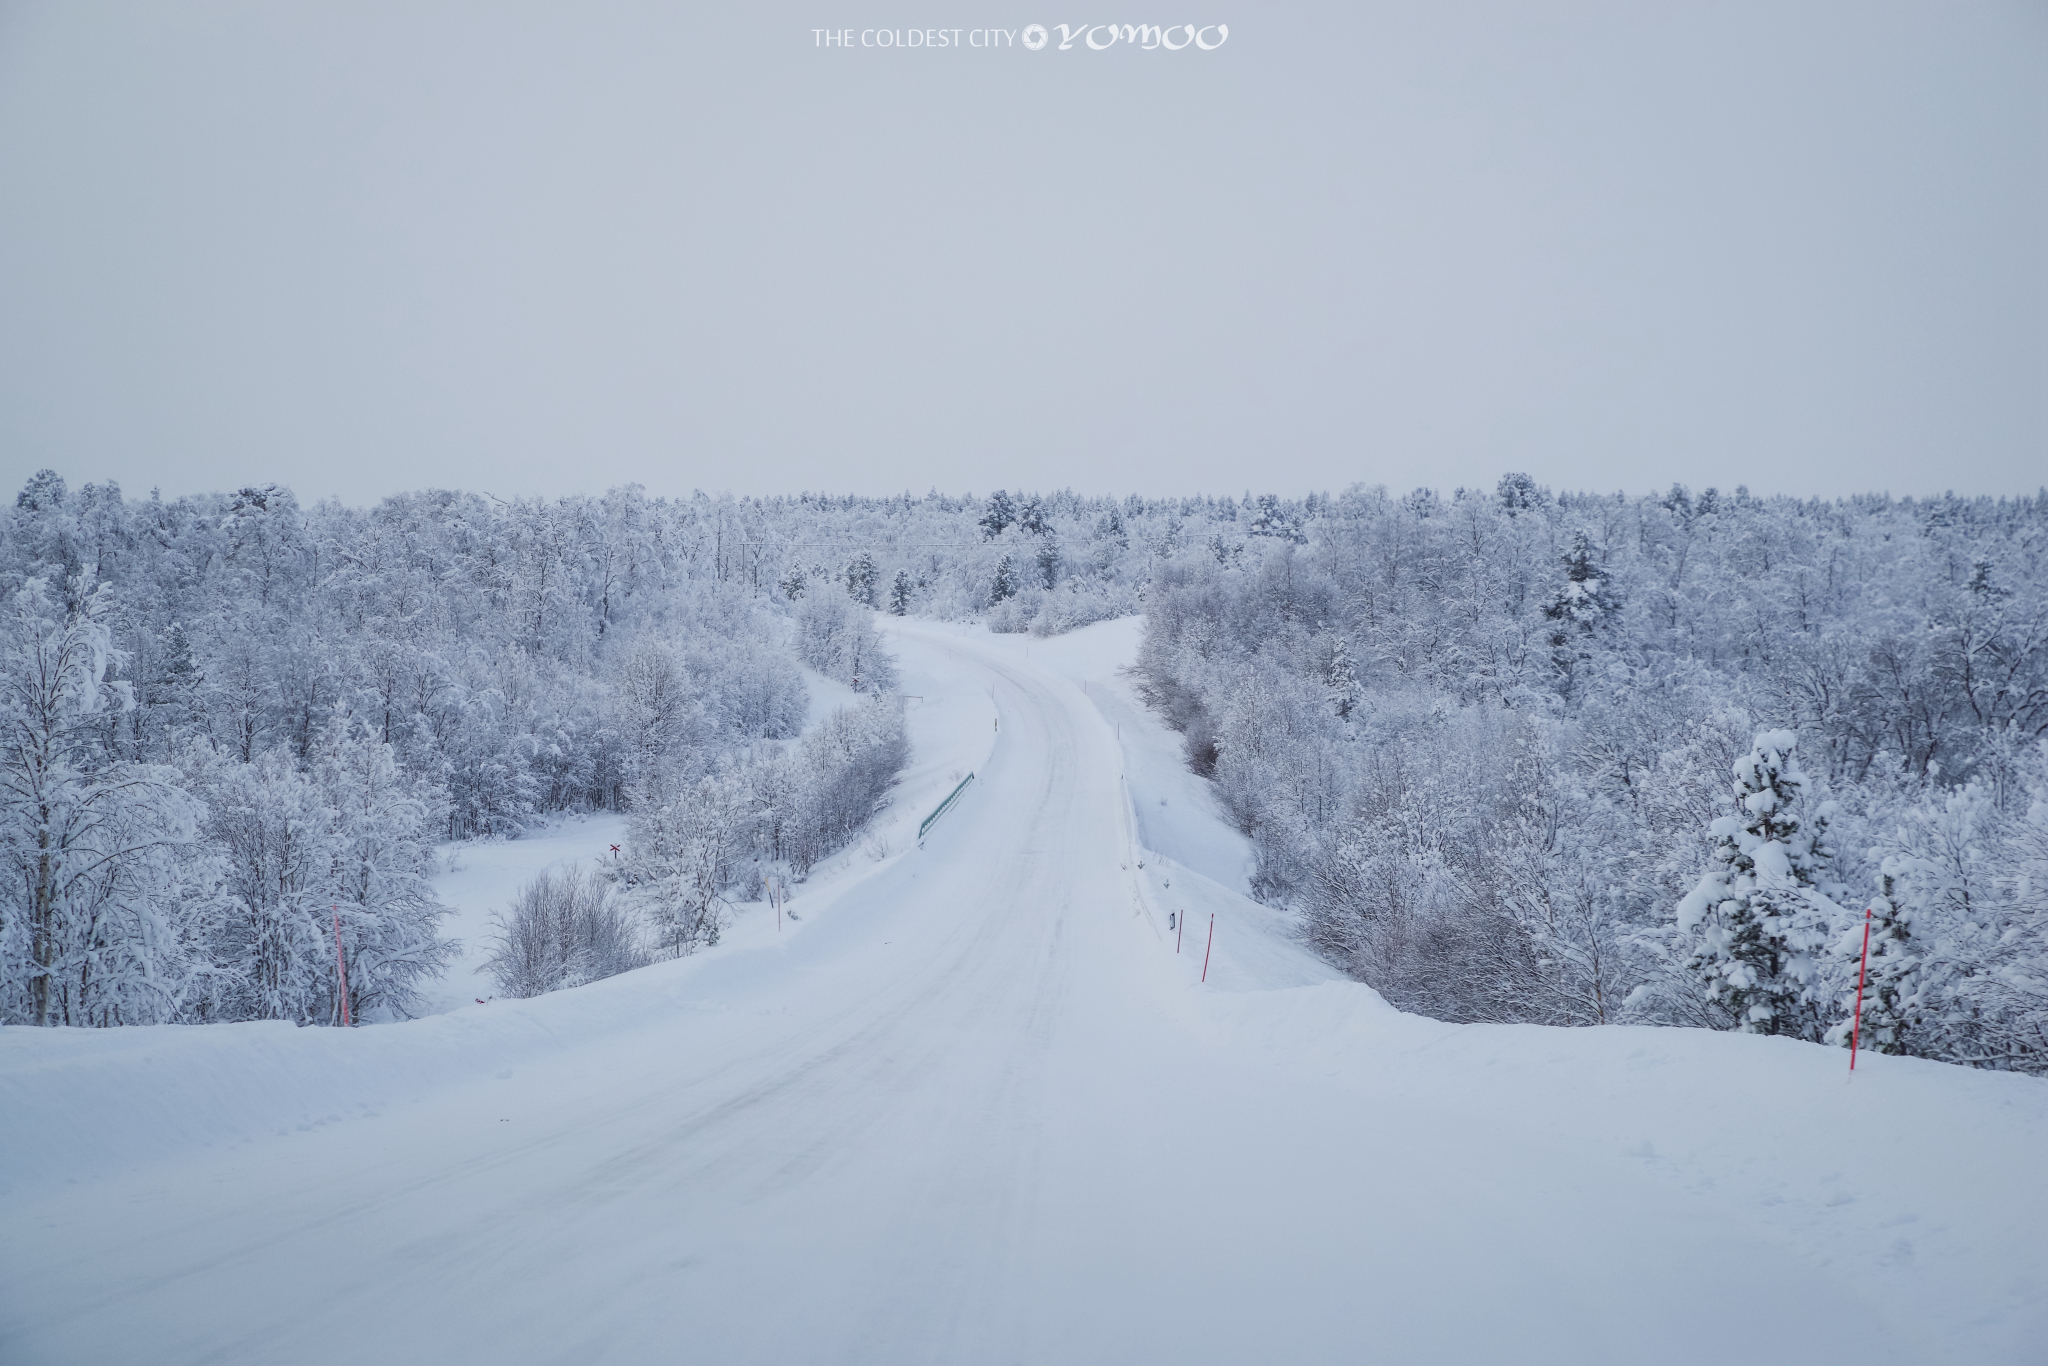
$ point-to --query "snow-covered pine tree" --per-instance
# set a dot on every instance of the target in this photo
(899, 594)
(1111, 528)
(793, 582)
(1581, 606)
(1760, 918)
(1890, 997)
(1518, 493)
(1341, 680)
(1004, 584)
(998, 515)
(863, 577)
(1048, 562)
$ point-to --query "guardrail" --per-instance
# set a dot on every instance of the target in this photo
(943, 807)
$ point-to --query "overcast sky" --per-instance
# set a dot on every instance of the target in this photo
(358, 247)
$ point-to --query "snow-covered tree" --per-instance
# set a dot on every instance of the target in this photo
(1759, 919)
(839, 640)
(1048, 562)
(351, 839)
(863, 578)
(1891, 1020)
(1582, 604)
(660, 711)
(899, 594)
(1110, 527)
(1518, 493)
(998, 515)
(1340, 677)
(1959, 936)
(1004, 584)
(106, 894)
(845, 770)
(383, 825)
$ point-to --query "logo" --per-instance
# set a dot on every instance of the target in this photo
(1035, 37)
(1097, 37)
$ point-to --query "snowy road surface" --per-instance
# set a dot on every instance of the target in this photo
(974, 1108)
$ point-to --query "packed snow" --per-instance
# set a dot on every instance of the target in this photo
(974, 1102)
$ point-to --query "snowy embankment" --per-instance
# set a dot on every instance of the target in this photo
(973, 1106)
(1919, 1183)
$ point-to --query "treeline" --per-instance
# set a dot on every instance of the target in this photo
(1580, 759)
(1513, 756)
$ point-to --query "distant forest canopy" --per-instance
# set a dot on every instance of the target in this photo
(489, 642)
(1477, 740)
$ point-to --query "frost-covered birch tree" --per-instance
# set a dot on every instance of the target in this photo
(107, 901)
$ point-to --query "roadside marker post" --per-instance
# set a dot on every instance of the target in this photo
(1856, 1028)
(1178, 926)
(1212, 944)
(341, 969)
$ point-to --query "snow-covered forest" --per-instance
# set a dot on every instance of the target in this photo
(1580, 759)
(1570, 759)
(232, 721)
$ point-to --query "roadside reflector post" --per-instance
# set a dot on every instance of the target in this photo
(1212, 944)
(340, 968)
(1856, 1026)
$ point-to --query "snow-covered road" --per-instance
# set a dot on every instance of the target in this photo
(973, 1108)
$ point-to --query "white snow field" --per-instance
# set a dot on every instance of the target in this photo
(972, 1107)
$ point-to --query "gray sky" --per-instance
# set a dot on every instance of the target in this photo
(360, 246)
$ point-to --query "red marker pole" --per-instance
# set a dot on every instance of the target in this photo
(340, 968)
(1212, 944)
(1856, 1028)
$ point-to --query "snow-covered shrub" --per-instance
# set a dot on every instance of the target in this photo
(844, 771)
(697, 835)
(562, 930)
(1075, 604)
(688, 838)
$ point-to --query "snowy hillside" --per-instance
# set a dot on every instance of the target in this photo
(974, 1102)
